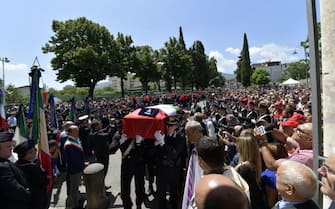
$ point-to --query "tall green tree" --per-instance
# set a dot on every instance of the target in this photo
(181, 39)
(185, 68)
(146, 69)
(260, 77)
(125, 58)
(246, 70)
(171, 62)
(212, 68)
(200, 65)
(83, 51)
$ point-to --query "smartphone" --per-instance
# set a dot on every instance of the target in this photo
(261, 130)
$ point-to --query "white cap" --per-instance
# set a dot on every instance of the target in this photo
(84, 117)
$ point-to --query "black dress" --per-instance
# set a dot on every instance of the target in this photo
(248, 173)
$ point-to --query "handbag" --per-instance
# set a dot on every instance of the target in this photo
(231, 173)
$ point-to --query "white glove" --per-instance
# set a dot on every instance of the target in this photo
(123, 138)
(139, 139)
(158, 134)
(159, 138)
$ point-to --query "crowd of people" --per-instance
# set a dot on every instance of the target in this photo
(233, 148)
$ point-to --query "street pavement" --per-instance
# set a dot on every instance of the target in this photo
(58, 198)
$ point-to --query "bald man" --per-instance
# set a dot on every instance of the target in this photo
(215, 191)
(297, 185)
(193, 131)
(74, 158)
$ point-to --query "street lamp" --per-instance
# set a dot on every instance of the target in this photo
(3, 60)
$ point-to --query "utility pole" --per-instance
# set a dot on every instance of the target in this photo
(3, 60)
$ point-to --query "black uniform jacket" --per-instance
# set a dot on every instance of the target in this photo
(13, 187)
(37, 181)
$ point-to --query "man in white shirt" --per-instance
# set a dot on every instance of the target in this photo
(194, 133)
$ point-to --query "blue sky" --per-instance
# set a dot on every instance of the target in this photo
(274, 28)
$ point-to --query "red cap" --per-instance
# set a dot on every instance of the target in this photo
(297, 117)
(279, 103)
(290, 123)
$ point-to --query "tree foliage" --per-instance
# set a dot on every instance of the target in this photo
(171, 62)
(86, 53)
(245, 68)
(218, 81)
(212, 68)
(83, 52)
(185, 62)
(125, 57)
(13, 95)
(296, 70)
(260, 77)
(305, 44)
(200, 65)
(146, 69)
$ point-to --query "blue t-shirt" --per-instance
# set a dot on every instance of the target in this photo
(268, 178)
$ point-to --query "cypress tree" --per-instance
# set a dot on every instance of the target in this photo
(181, 39)
(246, 70)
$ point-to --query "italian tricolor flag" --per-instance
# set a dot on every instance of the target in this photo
(3, 123)
(39, 129)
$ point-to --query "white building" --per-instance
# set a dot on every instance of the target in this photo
(274, 68)
(24, 90)
(130, 84)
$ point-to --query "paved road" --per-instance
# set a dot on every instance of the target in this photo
(58, 198)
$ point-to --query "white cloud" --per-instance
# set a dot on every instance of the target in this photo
(223, 64)
(267, 52)
(233, 51)
(16, 67)
(273, 52)
(270, 52)
(18, 75)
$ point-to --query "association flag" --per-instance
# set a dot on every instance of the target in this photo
(21, 132)
(39, 128)
(53, 114)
